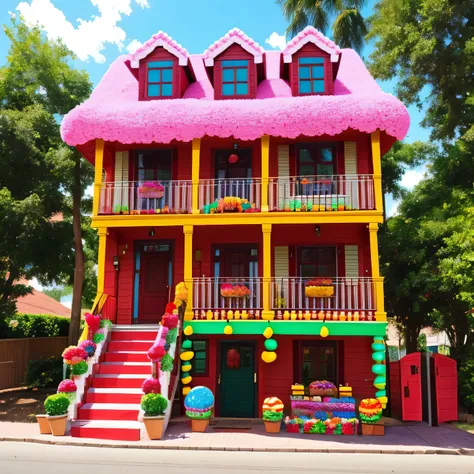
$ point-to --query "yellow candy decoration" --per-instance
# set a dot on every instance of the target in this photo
(186, 368)
(268, 332)
(186, 390)
(187, 355)
(228, 330)
(269, 357)
(324, 332)
(188, 331)
(186, 380)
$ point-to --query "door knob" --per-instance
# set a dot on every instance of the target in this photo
(255, 377)
(219, 379)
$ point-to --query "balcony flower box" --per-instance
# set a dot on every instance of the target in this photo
(151, 190)
(234, 291)
(319, 288)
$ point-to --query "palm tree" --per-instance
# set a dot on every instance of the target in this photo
(348, 29)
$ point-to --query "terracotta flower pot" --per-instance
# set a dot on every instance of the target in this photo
(272, 426)
(154, 426)
(199, 426)
(58, 424)
(379, 430)
(43, 424)
(367, 429)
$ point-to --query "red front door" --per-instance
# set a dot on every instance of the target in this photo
(410, 376)
(154, 282)
(446, 382)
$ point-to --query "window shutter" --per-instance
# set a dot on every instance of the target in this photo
(350, 158)
(283, 176)
(121, 188)
(351, 253)
(281, 262)
(350, 167)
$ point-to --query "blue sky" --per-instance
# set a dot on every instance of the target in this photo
(108, 27)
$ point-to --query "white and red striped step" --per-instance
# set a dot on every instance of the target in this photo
(112, 404)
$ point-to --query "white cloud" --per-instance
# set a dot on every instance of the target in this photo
(393, 210)
(133, 46)
(36, 284)
(91, 36)
(411, 178)
(276, 41)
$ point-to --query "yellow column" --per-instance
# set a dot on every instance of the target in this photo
(267, 271)
(188, 268)
(380, 314)
(196, 156)
(265, 171)
(377, 165)
(102, 232)
(99, 164)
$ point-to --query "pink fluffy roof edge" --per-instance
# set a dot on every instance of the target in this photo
(114, 113)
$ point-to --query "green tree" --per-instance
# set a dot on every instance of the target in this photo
(348, 29)
(57, 292)
(41, 178)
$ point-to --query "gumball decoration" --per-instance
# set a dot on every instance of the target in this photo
(380, 382)
(379, 369)
(187, 345)
(188, 331)
(228, 330)
(186, 390)
(199, 403)
(270, 344)
(378, 356)
(273, 404)
(185, 356)
(370, 410)
(186, 380)
(268, 332)
(269, 357)
(324, 332)
(186, 367)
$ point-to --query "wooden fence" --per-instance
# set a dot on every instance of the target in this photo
(16, 353)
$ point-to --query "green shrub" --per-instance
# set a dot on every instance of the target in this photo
(167, 363)
(466, 384)
(56, 405)
(44, 372)
(34, 325)
(171, 336)
(272, 416)
(154, 404)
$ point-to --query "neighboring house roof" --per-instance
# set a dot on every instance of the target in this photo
(159, 39)
(39, 303)
(233, 36)
(114, 113)
(310, 35)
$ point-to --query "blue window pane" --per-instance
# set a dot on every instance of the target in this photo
(227, 89)
(304, 72)
(235, 63)
(318, 86)
(318, 72)
(161, 64)
(167, 75)
(153, 90)
(305, 87)
(167, 90)
(242, 75)
(242, 89)
(228, 75)
(154, 75)
(311, 60)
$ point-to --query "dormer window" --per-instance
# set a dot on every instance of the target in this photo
(235, 78)
(160, 79)
(311, 76)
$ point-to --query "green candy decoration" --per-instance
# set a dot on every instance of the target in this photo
(187, 345)
(378, 356)
(271, 344)
(380, 393)
(379, 369)
(380, 382)
(377, 347)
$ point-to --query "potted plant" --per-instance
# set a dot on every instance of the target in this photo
(370, 412)
(319, 288)
(125, 210)
(198, 404)
(272, 409)
(43, 424)
(154, 406)
(56, 407)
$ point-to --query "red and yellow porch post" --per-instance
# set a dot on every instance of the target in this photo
(196, 158)
(99, 164)
(267, 271)
(265, 171)
(102, 233)
(377, 165)
(380, 314)
(188, 269)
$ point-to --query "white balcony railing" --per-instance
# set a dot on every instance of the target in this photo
(321, 193)
(349, 294)
(241, 293)
(146, 197)
(213, 191)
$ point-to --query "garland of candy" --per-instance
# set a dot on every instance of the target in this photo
(380, 370)
(269, 355)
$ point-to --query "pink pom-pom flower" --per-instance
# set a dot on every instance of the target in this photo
(156, 353)
(93, 322)
(169, 321)
(89, 346)
(151, 385)
(74, 355)
(67, 386)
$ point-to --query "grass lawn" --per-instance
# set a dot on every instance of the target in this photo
(469, 427)
(21, 405)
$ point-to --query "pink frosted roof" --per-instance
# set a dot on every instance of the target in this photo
(233, 36)
(114, 113)
(159, 39)
(311, 35)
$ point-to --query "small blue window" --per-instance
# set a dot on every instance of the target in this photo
(153, 90)
(154, 75)
(228, 89)
(311, 76)
(242, 75)
(235, 77)
(228, 75)
(242, 89)
(167, 75)
(167, 90)
(160, 79)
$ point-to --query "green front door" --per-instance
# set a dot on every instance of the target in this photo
(237, 380)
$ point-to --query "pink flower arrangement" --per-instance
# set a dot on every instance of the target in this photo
(89, 346)
(238, 291)
(67, 386)
(156, 352)
(93, 322)
(169, 321)
(151, 385)
(73, 355)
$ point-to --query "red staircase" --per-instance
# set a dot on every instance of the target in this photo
(112, 404)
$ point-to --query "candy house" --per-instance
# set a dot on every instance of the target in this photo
(254, 177)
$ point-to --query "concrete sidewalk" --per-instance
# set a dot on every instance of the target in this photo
(408, 439)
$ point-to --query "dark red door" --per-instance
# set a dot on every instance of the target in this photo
(446, 383)
(154, 284)
(410, 377)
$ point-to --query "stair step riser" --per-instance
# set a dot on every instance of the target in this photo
(123, 415)
(114, 398)
(134, 336)
(129, 346)
(111, 357)
(125, 369)
(116, 434)
(117, 383)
